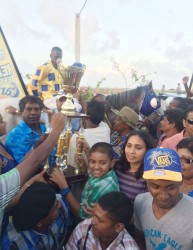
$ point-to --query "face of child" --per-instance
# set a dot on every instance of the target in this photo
(99, 164)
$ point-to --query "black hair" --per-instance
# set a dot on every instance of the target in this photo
(118, 206)
(104, 148)
(57, 49)
(30, 99)
(183, 103)
(188, 110)
(186, 143)
(98, 95)
(175, 115)
(123, 165)
(96, 110)
(34, 205)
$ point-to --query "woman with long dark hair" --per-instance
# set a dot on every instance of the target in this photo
(129, 168)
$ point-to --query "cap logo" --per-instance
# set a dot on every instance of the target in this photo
(159, 172)
(163, 160)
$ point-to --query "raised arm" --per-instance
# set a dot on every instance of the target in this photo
(16, 198)
(185, 80)
(58, 177)
(28, 166)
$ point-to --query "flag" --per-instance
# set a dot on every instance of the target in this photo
(11, 82)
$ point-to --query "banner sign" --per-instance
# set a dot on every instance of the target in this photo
(11, 82)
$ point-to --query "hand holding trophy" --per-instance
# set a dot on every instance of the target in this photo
(71, 76)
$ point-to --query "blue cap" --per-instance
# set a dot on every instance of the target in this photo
(162, 164)
(78, 64)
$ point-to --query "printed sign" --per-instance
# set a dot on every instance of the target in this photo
(11, 83)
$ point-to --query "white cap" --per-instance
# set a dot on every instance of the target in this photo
(50, 103)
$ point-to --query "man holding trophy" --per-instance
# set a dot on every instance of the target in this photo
(45, 83)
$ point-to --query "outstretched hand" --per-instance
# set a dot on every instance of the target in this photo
(58, 122)
(11, 110)
(87, 209)
(58, 177)
(37, 178)
(185, 79)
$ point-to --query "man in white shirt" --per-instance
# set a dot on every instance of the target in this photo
(95, 129)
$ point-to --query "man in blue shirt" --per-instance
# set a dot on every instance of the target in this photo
(11, 182)
(22, 138)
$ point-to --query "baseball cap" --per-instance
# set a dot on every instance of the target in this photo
(162, 164)
(34, 205)
(50, 103)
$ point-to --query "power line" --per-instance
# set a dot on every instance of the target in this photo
(82, 7)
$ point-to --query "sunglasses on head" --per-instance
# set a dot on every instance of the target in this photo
(189, 121)
(186, 160)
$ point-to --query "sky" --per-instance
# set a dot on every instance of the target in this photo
(153, 37)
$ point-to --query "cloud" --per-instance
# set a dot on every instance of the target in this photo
(176, 37)
(167, 72)
(17, 23)
(103, 44)
(180, 53)
(57, 16)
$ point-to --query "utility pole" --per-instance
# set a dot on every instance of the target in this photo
(77, 34)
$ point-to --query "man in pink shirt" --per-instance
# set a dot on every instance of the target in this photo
(186, 133)
(171, 124)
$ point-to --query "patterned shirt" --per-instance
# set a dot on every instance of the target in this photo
(117, 144)
(22, 139)
(130, 185)
(46, 81)
(97, 187)
(33, 240)
(8, 163)
(83, 238)
(9, 186)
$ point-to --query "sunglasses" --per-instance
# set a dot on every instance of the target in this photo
(186, 160)
(189, 121)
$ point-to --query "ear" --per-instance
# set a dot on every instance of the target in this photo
(119, 227)
(172, 125)
(113, 163)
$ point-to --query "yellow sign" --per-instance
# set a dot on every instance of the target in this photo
(11, 83)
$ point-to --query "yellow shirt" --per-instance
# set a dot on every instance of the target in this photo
(46, 82)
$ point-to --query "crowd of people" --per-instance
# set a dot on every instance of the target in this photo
(139, 190)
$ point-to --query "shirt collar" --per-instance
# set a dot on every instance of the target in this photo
(28, 130)
(114, 244)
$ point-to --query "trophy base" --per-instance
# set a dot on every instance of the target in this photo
(72, 177)
(68, 107)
